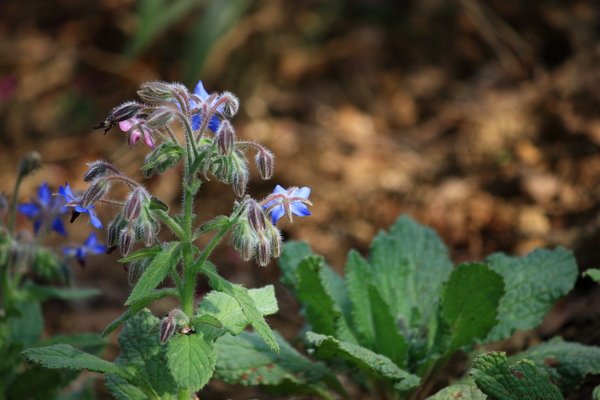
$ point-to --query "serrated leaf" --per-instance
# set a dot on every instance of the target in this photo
(523, 380)
(146, 252)
(65, 356)
(328, 347)
(593, 273)
(191, 360)
(246, 303)
(293, 253)
(227, 311)
(156, 272)
(409, 265)
(41, 293)
(246, 360)
(142, 351)
(567, 363)
(533, 284)
(83, 341)
(459, 392)
(469, 303)
(371, 315)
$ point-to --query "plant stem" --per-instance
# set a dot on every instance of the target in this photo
(170, 222)
(13, 205)
(189, 276)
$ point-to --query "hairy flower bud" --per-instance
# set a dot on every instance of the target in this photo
(161, 158)
(114, 230)
(30, 163)
(167, 329)
(239, 181)
(231, 104)
(136, 200)
(120, 113)
(255, 215)
(265, 162)
(135, 270)
(99, 169)
(276, 241)
(126, 239)
(264, 251)
(160, 118)
(156, 92)
(95, 192)
(244, 240)
(225, 138)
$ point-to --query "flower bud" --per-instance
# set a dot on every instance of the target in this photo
(126, 239)
(95, 192)
(148, 231)
(30, 163)
(225, 138)
(264, 162)
(231, 104)
(239, 181)
(161, 158)
(135, 270)
(156, 92)
(120, 113)
(167, 329)
(276, 242)
(114, 230)
(160, 118)
(244, 240)
(99, 169)
(133, 206)
(256, 216)
(264, 252)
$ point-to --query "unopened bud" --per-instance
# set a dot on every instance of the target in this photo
(239, 182)
(244, 240)
(167, 329)
(256, 216)
(135, 271)
(225, 138)
(155, 92)
(114, 230)
(231, 104)
(137, 198)
(126, 239)
(99, 169)
(95, 192)
(264, 252)
(160, 118)
(149, 230)
(30, 163)
(120, 113)
(276, 242)
(265, 162)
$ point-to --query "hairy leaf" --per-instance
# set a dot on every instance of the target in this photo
(523, 380)
(158, 270)
(470, 303)
(41, 293)
(26, 326)
(533, 284)
(146, 252)
(328, 347)
(459, 392)
(191, 360)
(593, 273)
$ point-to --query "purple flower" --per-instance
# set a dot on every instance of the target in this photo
(287, 202)
(72, 201)
(45, 210)
(202, 94)
(90, 246)
(136, 130)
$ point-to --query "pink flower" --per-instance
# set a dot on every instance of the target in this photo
(137, 130)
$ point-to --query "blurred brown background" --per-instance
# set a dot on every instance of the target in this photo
(479, 118)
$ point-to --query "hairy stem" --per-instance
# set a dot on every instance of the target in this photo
(170, 222)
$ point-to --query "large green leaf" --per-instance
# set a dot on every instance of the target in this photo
(469, 304)
(328, 347)
(36, 383)
(228, 312)
(156, 272)
(26, 326)
(191, 360)
(459, 392)
(523, 380)
(246, 360)
(568, 363)
(240, 293)
(371, 315)
(65, 356)
(409, 264)
(41, 293)
(142, 351)
(533, 284)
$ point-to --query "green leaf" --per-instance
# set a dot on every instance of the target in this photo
(533, 284)
(146, 252)
(596, 393)
(246, 303)
(191, 360)
(156, 272)
(65, 356)
(228, 313)
(500, 380)
(293, 253)
(246, 360)
(409, 264)
(371, 315)
(459, 392)
(567, 363)
(89, 342)
(138, 306)
(142, 352)
(35, 383)
(26, 327)
(470, 303)
(161, 158)
(41, 293)
(593, 273)
(328, 347)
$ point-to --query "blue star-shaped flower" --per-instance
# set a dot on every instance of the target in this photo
(90, 246)
(45, 210)
(214, 122)
(72, 201)
(287, 202)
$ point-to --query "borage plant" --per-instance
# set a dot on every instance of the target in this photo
(32, 272)
(393, 322)
(174, 357)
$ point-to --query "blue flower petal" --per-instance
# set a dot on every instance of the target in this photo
(37, 225)
(196, 122)
(303, 192)
(59, 227)
(30, 210)
(80, 254)
(91, 240)
(276, 214)
(214, 123)
(98, 249)
(95, 220)
(44, 194)
(299, 209)
(279, 190)
(200, 91)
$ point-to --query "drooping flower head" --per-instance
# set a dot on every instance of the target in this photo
(287, 202)
(72, 201)
(90, 246)
(136, 129)
(45, 210)
(195, 106)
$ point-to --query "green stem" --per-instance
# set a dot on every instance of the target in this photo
(170, 222)
(13, 205)
(189, 277)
